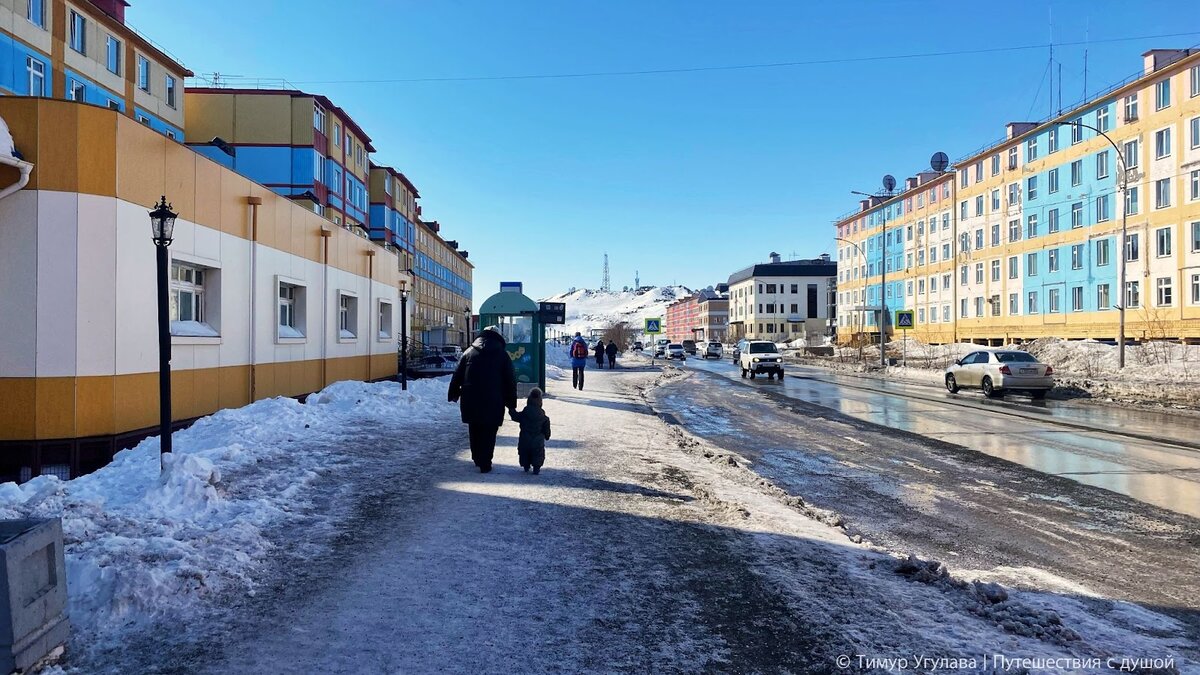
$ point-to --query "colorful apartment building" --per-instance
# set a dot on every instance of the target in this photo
(783, 300)
(704, 315)
(267, 298)
(393, 211)
(442, 289)
(83, 51)
(1023, 239)
(300, 145)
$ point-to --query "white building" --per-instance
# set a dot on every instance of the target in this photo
(783, 300)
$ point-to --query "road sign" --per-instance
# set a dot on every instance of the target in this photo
(653, 326)
(904, 318)
(552, 312)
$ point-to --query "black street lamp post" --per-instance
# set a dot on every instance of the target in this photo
(162, 226)
(466, 327)
(404, 335)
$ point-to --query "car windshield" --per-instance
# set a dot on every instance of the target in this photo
(1015, 357)
(763, 348)
(676, 346)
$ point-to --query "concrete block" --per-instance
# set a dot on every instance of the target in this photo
(33, 592)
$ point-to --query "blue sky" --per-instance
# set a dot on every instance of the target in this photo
(684, 177)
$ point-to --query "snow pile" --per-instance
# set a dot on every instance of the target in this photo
(143, 545)
(587, 309)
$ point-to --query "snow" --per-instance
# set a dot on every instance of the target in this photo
(289, 332)
(193, 329)
(588, 309)
(141, 546)
(345, 334)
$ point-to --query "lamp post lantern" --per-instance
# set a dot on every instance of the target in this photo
(1124, 295)
(404, 334)
(162, 229)
(466, 327)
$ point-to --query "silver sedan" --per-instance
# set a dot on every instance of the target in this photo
(996, 372)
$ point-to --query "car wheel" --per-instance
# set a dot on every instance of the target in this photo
(951, 384)
(989, 390)
(1039, 394)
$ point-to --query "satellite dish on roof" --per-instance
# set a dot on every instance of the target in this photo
(939, 162)
(889, 182)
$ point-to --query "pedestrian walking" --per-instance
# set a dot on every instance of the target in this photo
(535, 431)
(599, 350)
(611, 351)
(484, 384)
(579, 357)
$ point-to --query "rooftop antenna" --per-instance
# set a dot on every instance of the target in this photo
(604, 285)
(1087, 36)
(1052, 64)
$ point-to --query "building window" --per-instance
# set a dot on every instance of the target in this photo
(1131, 154)
(1131, 248)
(1194, 133)
(996, 234)
(143, 119)
(1031, 266)
(1133, 294)
(1102, 208)
(979, 273)
(1131, 108)
(1052, 181)
(1031, 226)
(1052, 259)
(1196, 289)
(1195, 81)
(945, 251)
(384, 318)
(1077, 298)
(113, 54)
(979, 306)
(1196, 236)
(318, 118)
(189, 297)
(36, 11)
(1102, 255)
(143, 73)
(1162, 94)
(1131, 201)
(1014, 304)
(1162, 242)
(1033, 303)
(1012, 158)
(979, 205)
(347, 317)
(1102, 300)
(996, 165)
(1052, 305)
(979, 171)
(1077, 214)
(1031, 149)
(1102, 119)
(1076, 132)
(289, 303)
(1102, 164)
(1014, 230)
(1162, 143)
(1012, 267)
(37, 76)
(1077, 172)
(1162, 193)
(1052, 220)
(1031, 187)
(170, 91)
(1077, 257)
(1164, 292)
(1013, 194)
(77, 91)
(78, 33)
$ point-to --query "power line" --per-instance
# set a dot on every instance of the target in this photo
(748, 66)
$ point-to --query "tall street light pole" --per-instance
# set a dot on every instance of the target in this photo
(882, 268)
(1124, 237)
(162, 228)
(404, 334)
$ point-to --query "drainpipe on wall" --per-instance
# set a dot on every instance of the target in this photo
(370, 309)
(254, 203)
(326, 233)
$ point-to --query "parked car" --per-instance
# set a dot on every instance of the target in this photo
(675, 351)
(997, 372)
(714, 350)
(433, 366)
(761, 356)
(738, 349)
(689, 346)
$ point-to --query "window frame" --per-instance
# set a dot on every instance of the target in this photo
(41, 13)
(1162, 94)
(142, 80)
(77, 32)
(113, 54)
(39, 72)
(171, 93)
(347, 315)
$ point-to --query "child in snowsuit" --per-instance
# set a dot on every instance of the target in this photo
(535, 431)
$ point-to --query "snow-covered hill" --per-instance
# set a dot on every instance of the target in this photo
(588, 309)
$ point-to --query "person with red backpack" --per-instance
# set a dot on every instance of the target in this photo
(579, 356)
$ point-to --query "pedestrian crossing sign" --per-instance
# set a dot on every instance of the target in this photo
(904, 319)
(654, 326)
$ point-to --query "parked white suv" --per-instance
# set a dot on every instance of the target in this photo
(761, 356)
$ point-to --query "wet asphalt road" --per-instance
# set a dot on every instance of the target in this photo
(897, 470)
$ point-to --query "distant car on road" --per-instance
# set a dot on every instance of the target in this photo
(761, 356)
(434, 366)
(637, 346)
(713, 349)
(660, 347)
(738, 349)
(997, 372)
(689, 346)
(675, 351)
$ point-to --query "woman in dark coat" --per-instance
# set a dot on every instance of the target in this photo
(484, 384)
(611, 350)
(599, 352)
